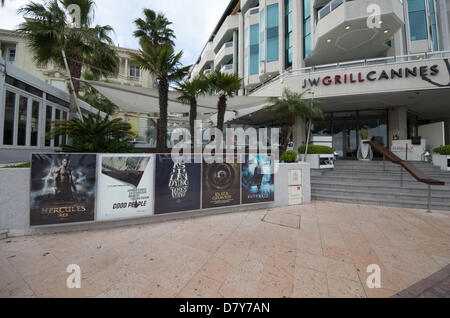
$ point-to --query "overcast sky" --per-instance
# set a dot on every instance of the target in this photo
(193, 20)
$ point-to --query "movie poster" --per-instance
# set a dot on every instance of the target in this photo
(62, 188)
(177, 185)
(221, 185)
(125, 186)
(258, 179)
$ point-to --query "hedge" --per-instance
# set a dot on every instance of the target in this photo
(444, 150)
(316, 150)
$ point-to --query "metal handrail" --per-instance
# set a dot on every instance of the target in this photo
(415, 172)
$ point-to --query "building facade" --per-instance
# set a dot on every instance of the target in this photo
(380, 65)
(14, 49)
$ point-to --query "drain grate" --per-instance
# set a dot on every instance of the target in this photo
(283, 219)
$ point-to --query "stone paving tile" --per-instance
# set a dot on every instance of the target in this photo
(238, 255)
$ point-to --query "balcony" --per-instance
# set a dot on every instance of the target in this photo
(226, 52)
(227, 69)
(247, 4)
(206, 58)
(207, 71)
(225, 32)
(343, 33)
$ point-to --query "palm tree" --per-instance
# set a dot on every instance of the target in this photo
(226, 86)
(154, 29)
(291, 106)
(49, 33)
(190, 91)
(164, 64)
(95, 134)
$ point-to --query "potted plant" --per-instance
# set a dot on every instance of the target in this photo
(441, 157)
(289, 156)
(365, 152)
(319, 157)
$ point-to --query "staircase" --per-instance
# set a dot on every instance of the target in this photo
(378, 183)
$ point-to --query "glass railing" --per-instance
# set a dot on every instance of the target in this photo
(224, 46)
(328, 8)
(252, 11)
(207, 71)
(363, 63)
(228, 67)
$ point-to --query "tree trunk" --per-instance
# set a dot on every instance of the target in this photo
(286, 140)
(163, 114)
(221, 107)
(192, 118)
(75, 67)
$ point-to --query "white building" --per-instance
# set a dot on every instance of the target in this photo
(381, 65)
(14, 49)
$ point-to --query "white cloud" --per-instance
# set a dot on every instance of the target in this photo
(193, 20)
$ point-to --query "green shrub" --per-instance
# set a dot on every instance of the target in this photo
(364, 133)
(444, 150)
(316, 150)
(19, 166)
(289, 156)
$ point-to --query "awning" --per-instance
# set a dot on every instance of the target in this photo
(145, 100)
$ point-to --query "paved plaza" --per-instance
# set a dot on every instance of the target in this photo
(319, 250)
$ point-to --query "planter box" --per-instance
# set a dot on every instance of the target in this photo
(441, 161)
(320, 161)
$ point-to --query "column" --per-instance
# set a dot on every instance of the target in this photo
(297, 35)
(299, 133)
(235, 51)
(281, 36)
(398, 123)
(241, 49)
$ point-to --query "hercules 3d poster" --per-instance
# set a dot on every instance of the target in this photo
(62, 188)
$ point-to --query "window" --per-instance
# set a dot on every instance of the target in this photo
(57, 118)
(48, 126)
(272, 33)
(34, 123)
(434, 34)
(23, 86)
(8, 128)
(246, 52)
(417, 20)
(12, 55)
(135, 71)
(262, 44)
(288, 32)
(254, 49)
(307, 28)
(22, 123)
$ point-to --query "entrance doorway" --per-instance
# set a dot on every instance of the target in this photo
(345, 129)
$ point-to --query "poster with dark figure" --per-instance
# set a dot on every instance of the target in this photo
(62, 188)
(221, 185)
(258, 179)
(125, 186)
(177, 185)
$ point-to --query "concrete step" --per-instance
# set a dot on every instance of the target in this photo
(380, 202)
(3, 234)
(418, 188)
(385, 195)
(355, 177)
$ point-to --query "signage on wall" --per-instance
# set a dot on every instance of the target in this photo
(62, 189)
(258, 179)
(423, 72)
(177, 185)
(125, 186)
(221, 185)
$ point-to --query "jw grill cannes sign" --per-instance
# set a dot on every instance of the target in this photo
(423, 72)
